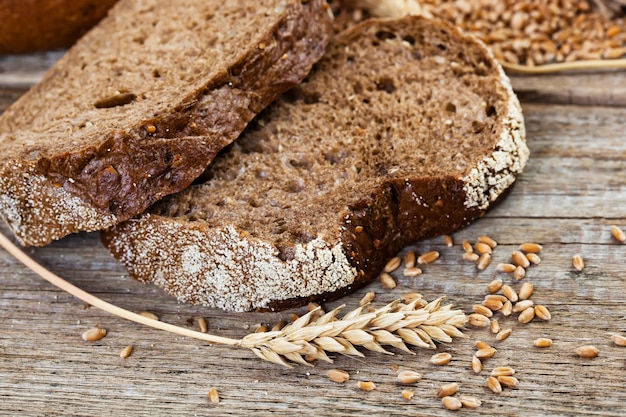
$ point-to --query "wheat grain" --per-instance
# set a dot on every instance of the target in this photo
(367, 298)
(467, 247)
(451, 403)
(542, 312)
(471, 256)
(487, 240)
(441, 358)
(428, 257)
(526, 290)
(578, 263)
(502, 371)
(366, 385)
(149, 315)
(483, 261)
(470, 402)
(503, 335)
(494, 385)
(483, 248)
(505, 267)
(509, 381)
(481, 309)
(520, 259)
(393, 264)
(408, 377)
(522, 305)
(214, 396)
(485, 353)
(493, 304)
(530, 247)
(618, 234)
(479, 344)
(542, 342)
(387, 281)
(339, 376)
(125, 353)
(412, 271)
(533, 258)
(478, 320)
(509, 293)
(519, 273)
(507, 308)
(526, 316)
(410, 259)
(588, 351)
(203, 326)
(407, 395)
(477, 365)
(494, 327)
(494, 286)
(448, 241)
(447, 389)
(94, 334)
(618, 339)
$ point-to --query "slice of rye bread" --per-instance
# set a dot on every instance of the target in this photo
(406, 129)
(139, 107)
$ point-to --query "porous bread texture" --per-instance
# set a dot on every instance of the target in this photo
(406, 129)
(139, 106)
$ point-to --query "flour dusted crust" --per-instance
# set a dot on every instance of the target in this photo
(204, 248)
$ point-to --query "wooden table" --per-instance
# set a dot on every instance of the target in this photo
(572, 191)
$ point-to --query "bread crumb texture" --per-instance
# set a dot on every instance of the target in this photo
(406, 129)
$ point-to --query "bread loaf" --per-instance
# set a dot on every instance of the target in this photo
(39, 25)
(142, 103)
(406, 129)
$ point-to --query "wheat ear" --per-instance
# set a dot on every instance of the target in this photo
(311, 336)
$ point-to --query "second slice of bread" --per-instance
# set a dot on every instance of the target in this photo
(406, 129)
(139, 107)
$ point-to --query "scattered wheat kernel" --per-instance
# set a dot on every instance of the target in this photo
(613, 31)
(203, 325)
(496, 297)
(520, 259)
(494, 326)
(526, 290)
(451, 403)
(447, 389)
(471, 256)
(618, 234)
(367, 298)
(505, 268)
(587, 351)
(542, 342)
(366, 385)
(494, 385)
(93, 334)
(214, 396)
(530, 247)
(507, 308)
(494, 286)
(618, 339)
(261, 329)
(502, 371)
(481, 345)
(493, 304)
(126, 352)
(428, 257)
(578, 263)
(467, 247)
(339, 376)
(483, 248)
(387, 281)
(542, 312)
(509, 381)
(408, 377)
(278, 326)
(481, 309)
(519, 273)
(149, 315)
(489, 241)
(477, 365)
(483, 261)
(409, 259)
(509, 293)
(522, 305)
(448, 241)
(411, 272)
(478, 320)
(503, 335)
(533, 258)
(393, 264)
(441, 358)
(485, 353)
(470, 402)
(526, 316)
(407, 395)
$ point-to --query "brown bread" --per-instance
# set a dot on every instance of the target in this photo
(405, 129)
(140, 105)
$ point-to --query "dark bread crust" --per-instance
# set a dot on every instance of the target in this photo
(406, 129)
(40, 25)
(49, 188)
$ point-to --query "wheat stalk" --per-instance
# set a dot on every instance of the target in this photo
(312, 336)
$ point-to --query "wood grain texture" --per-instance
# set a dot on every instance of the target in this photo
(572, 191)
